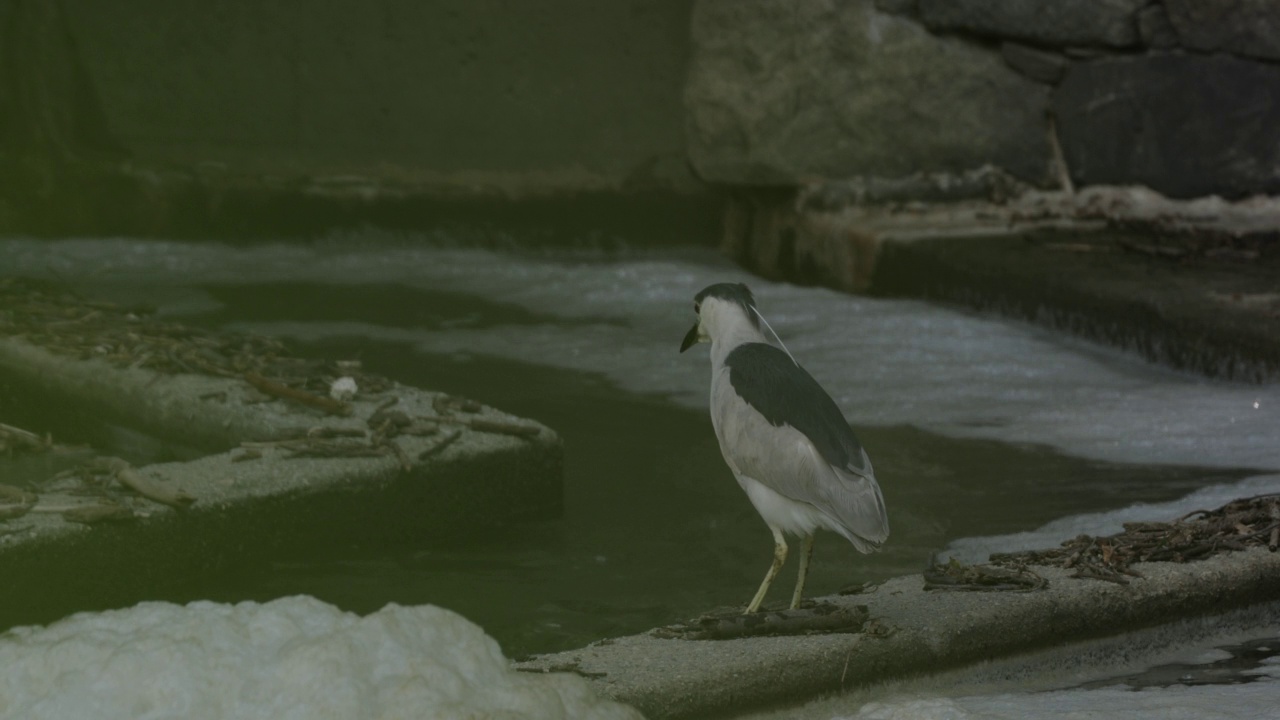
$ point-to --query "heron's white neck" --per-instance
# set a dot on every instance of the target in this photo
(731, 334)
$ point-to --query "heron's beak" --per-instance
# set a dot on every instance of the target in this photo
(690, 338)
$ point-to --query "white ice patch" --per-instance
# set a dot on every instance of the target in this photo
(1052, 534)
(293, 658)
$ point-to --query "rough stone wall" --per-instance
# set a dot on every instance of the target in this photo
(1186, 125)
(1179, 95)
(789, 91)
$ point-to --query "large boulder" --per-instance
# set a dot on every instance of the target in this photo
(783, 91)
(1156, 30)
(1243, 27)
(1183, 125)
(1059, 22)
(1041, 65)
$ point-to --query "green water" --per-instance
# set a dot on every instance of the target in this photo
(655, 529)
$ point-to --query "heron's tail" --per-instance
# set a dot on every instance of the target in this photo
(859, 510)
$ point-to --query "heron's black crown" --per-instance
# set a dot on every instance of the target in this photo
(734, 293)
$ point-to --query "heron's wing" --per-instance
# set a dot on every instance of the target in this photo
(786, 394)
(855, 501)
(778, 426)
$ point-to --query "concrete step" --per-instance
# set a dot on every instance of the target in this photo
(470, 469)
(1190, 284)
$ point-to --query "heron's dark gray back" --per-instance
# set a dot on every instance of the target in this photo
(786, 394)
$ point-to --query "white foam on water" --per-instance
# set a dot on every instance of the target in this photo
(886, 362)
(292, 658)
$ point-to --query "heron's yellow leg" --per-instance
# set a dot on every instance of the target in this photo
(779, 557)
(806, 550)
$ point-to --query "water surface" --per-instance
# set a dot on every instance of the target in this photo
(977, 427)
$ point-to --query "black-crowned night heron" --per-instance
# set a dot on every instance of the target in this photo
(783, 436)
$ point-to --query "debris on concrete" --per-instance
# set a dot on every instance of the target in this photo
(98, 513)
(45, 331)
(1153, 224)
(290, 468)
(954, 575)
(15, 502)
(323, 403)
(911, 629)
(14, 440)
(809, 619)
(56, 319)
(1238, 525)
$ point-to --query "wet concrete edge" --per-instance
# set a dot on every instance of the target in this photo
(1190, 316)
(929, 632)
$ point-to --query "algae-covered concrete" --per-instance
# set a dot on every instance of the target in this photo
(918, 632)
(460, 480)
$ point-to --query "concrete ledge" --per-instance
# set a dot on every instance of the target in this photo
(200, 410)
(667, 678)
(1185, 283)
(1215, 318)
(246, 511)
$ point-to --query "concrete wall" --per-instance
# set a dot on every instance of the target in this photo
(176, 116)
(575, 91)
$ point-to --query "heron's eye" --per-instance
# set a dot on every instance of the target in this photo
(696, 308)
